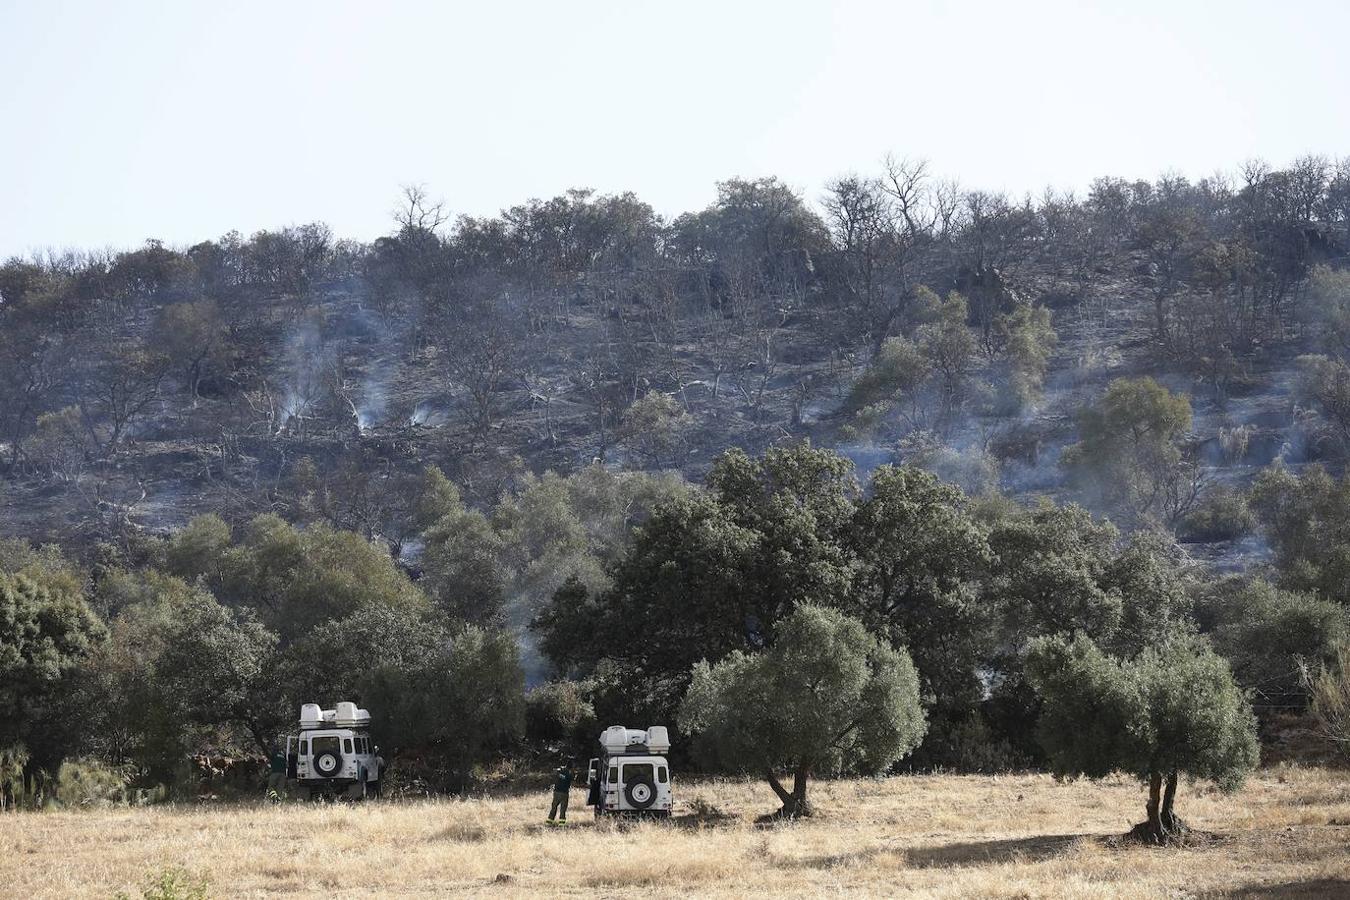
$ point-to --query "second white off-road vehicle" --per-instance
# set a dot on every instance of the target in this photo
(332, 756)
(632, 775)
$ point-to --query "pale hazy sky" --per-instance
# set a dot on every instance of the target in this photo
(183, 120)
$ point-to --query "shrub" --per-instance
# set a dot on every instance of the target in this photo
(1222, 515)
(172, 883)
(558, 713)
(1330, 689)
(89, 782)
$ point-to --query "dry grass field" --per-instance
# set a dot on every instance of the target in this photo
(1286, 835)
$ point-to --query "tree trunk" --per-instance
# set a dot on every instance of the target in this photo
(783, 796)
(1172, 825)
(1154, 806)
(795, 804)
(1162, 826)
(1151, 830)
(800, 806)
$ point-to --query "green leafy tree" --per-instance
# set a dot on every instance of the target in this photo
(334, 660)
(1270, 636)
(133, 716)
(1174, 709)
(294, 578)
(893, 379)
(436, 498)
(825, 698)
(1306, 518)
(1027, 338)
(799, 502)
(681, 595)
(1129, 450)
(455, 708)
(558, 713)
(1328, 308)
(654, 428)
(214, 666)
(921, 560)
(199, 549)
(47, 632)
(712, 572)
(949, 346)
(1060, 572)
(1052, 576)
(462, 567)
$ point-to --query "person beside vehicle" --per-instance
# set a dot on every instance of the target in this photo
(276, 775)
(562, 791)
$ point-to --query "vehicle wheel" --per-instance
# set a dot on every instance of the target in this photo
(640, 793)
(328, 763)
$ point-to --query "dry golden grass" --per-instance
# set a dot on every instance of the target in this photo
(1286, 835)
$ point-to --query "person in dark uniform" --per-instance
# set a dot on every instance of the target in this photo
(562, 790)
(276, 775)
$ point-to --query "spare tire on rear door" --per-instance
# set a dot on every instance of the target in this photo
(327, 763)
(640, 792)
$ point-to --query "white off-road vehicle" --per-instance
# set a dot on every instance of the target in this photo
(332, 756)
(632, 776)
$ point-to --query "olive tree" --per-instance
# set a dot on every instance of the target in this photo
(825, 698)
(1172, 709)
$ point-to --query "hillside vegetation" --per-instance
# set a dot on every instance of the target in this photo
(898, 316)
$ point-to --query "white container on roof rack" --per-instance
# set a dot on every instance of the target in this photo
(346, 715)
(617, 739)
(311, 716)
(349, 715)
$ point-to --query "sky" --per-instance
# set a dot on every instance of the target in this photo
(181, 121)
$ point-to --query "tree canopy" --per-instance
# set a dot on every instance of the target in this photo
(1172, 710)
(825, 698)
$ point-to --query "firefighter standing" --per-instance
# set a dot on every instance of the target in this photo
(562, 790)
(276, 775)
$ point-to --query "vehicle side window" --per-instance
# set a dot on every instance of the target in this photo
(346, 745)
(304, 748)
(613, 775)
(661, 774)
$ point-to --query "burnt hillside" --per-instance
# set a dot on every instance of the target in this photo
(897, 318)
